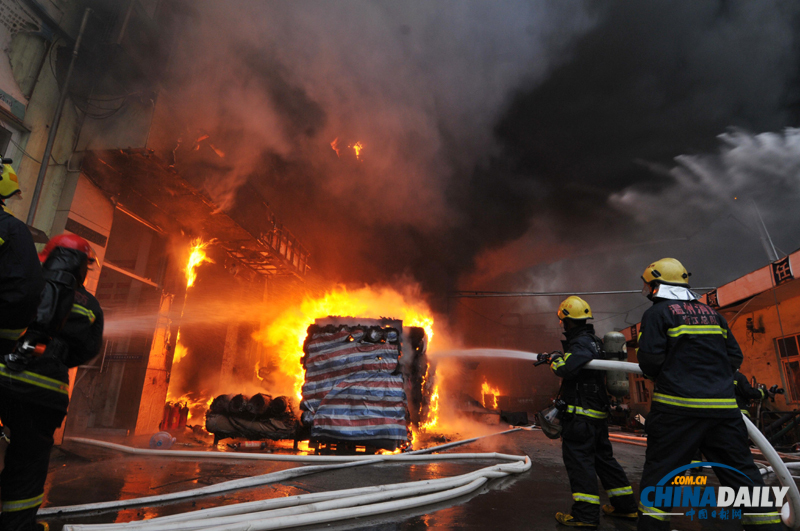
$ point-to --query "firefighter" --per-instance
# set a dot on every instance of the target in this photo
(586, 450)
(34, 397)
(21, 280)
(746, 392)
(687, 348)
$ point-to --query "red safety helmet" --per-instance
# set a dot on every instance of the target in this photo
(70, 241)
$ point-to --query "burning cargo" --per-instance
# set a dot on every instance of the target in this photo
(363, 386)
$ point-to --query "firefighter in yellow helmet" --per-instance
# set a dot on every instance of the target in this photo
(585, 447)
(9, 183)
(21, 279)
(688, 349)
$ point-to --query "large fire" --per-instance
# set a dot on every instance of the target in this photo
(197, 256)
(487, 389)
(288, 331)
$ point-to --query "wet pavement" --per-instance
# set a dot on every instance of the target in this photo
(84, 474)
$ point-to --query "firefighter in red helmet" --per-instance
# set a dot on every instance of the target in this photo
(34, 379)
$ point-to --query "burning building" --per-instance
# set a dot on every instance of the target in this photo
(178, 324)
(187, 319)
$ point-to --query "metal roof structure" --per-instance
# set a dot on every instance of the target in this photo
(146, 185)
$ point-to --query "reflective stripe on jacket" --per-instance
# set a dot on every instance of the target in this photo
(584, 390)
(45, 381)
(690, 352)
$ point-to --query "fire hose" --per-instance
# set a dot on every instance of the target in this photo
(226, 486)
(323, 507)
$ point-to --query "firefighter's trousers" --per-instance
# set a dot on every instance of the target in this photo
(27, 457)
(588, 454)
(673, 440)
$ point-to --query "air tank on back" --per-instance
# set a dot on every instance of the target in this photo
(615, 348)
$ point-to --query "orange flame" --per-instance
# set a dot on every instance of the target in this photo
(335, 145)
(286, 334)
(196, 257)
(197, 405)
(433, 411)
(387, 452)
(486, 389)
(180, 350)
(358, 147)
(219, 152)
(414, 438)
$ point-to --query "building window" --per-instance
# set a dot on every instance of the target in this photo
(789, 351)
(11, 138)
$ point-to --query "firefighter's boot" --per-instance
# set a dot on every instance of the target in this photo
(568, 520)
(609, 510)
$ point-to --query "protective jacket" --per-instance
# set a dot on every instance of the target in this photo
(690, 352)
(21, 280)
(745, 392)
(45, 381)
(584, 390)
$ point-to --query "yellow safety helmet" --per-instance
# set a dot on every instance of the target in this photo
(667, 271)
(9, 184)
(574, 308)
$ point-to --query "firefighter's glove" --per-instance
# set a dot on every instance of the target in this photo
(774, 390)
(548, 357)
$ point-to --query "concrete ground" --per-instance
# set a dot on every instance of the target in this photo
(84, 474)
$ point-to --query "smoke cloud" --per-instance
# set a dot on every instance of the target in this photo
(505, 146)
(420, 85)
(622, 161)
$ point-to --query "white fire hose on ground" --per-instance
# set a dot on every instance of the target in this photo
(340, 461)
(307, 509)
(322, 507)
(790, 514)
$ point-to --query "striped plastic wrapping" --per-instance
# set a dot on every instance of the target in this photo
(350, 388)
